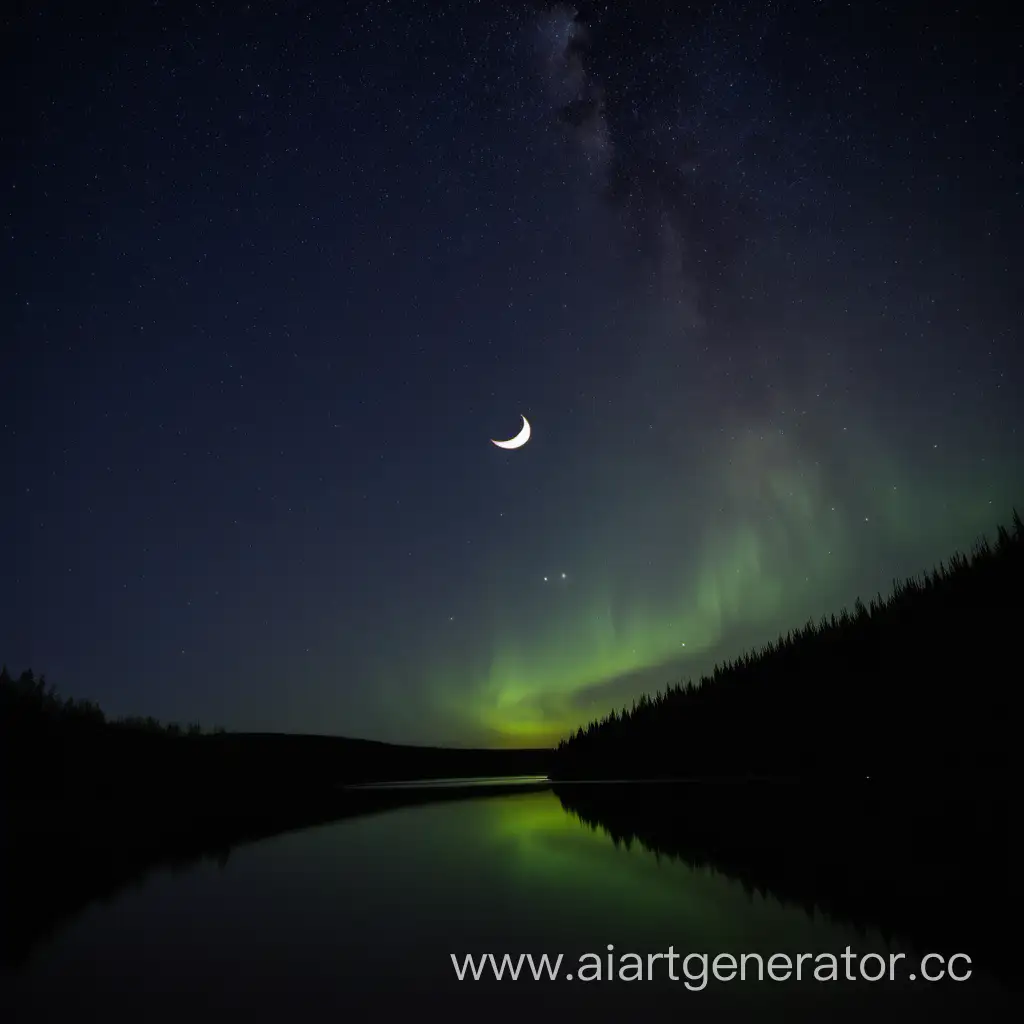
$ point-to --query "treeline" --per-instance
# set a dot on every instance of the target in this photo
(54, 747)
(920, 682)
(29, 702)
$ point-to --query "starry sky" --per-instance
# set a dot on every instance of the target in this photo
(276, 274)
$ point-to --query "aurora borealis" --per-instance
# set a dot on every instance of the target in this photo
(276, 278)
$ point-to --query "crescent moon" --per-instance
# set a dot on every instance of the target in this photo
(519, 440)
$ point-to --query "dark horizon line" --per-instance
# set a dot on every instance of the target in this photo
(89, 711)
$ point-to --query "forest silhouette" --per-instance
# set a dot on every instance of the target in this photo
(75, 750)
(919, 683)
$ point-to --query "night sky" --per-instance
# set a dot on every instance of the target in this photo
(275, 275)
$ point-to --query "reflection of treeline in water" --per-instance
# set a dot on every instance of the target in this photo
(918, 682)
(926, 863)
(60, 859)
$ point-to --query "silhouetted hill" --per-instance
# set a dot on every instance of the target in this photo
(52, 747)
(920, 683)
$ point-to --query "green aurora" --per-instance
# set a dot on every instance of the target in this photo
(780, 548)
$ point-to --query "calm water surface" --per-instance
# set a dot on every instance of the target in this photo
(356, 920)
